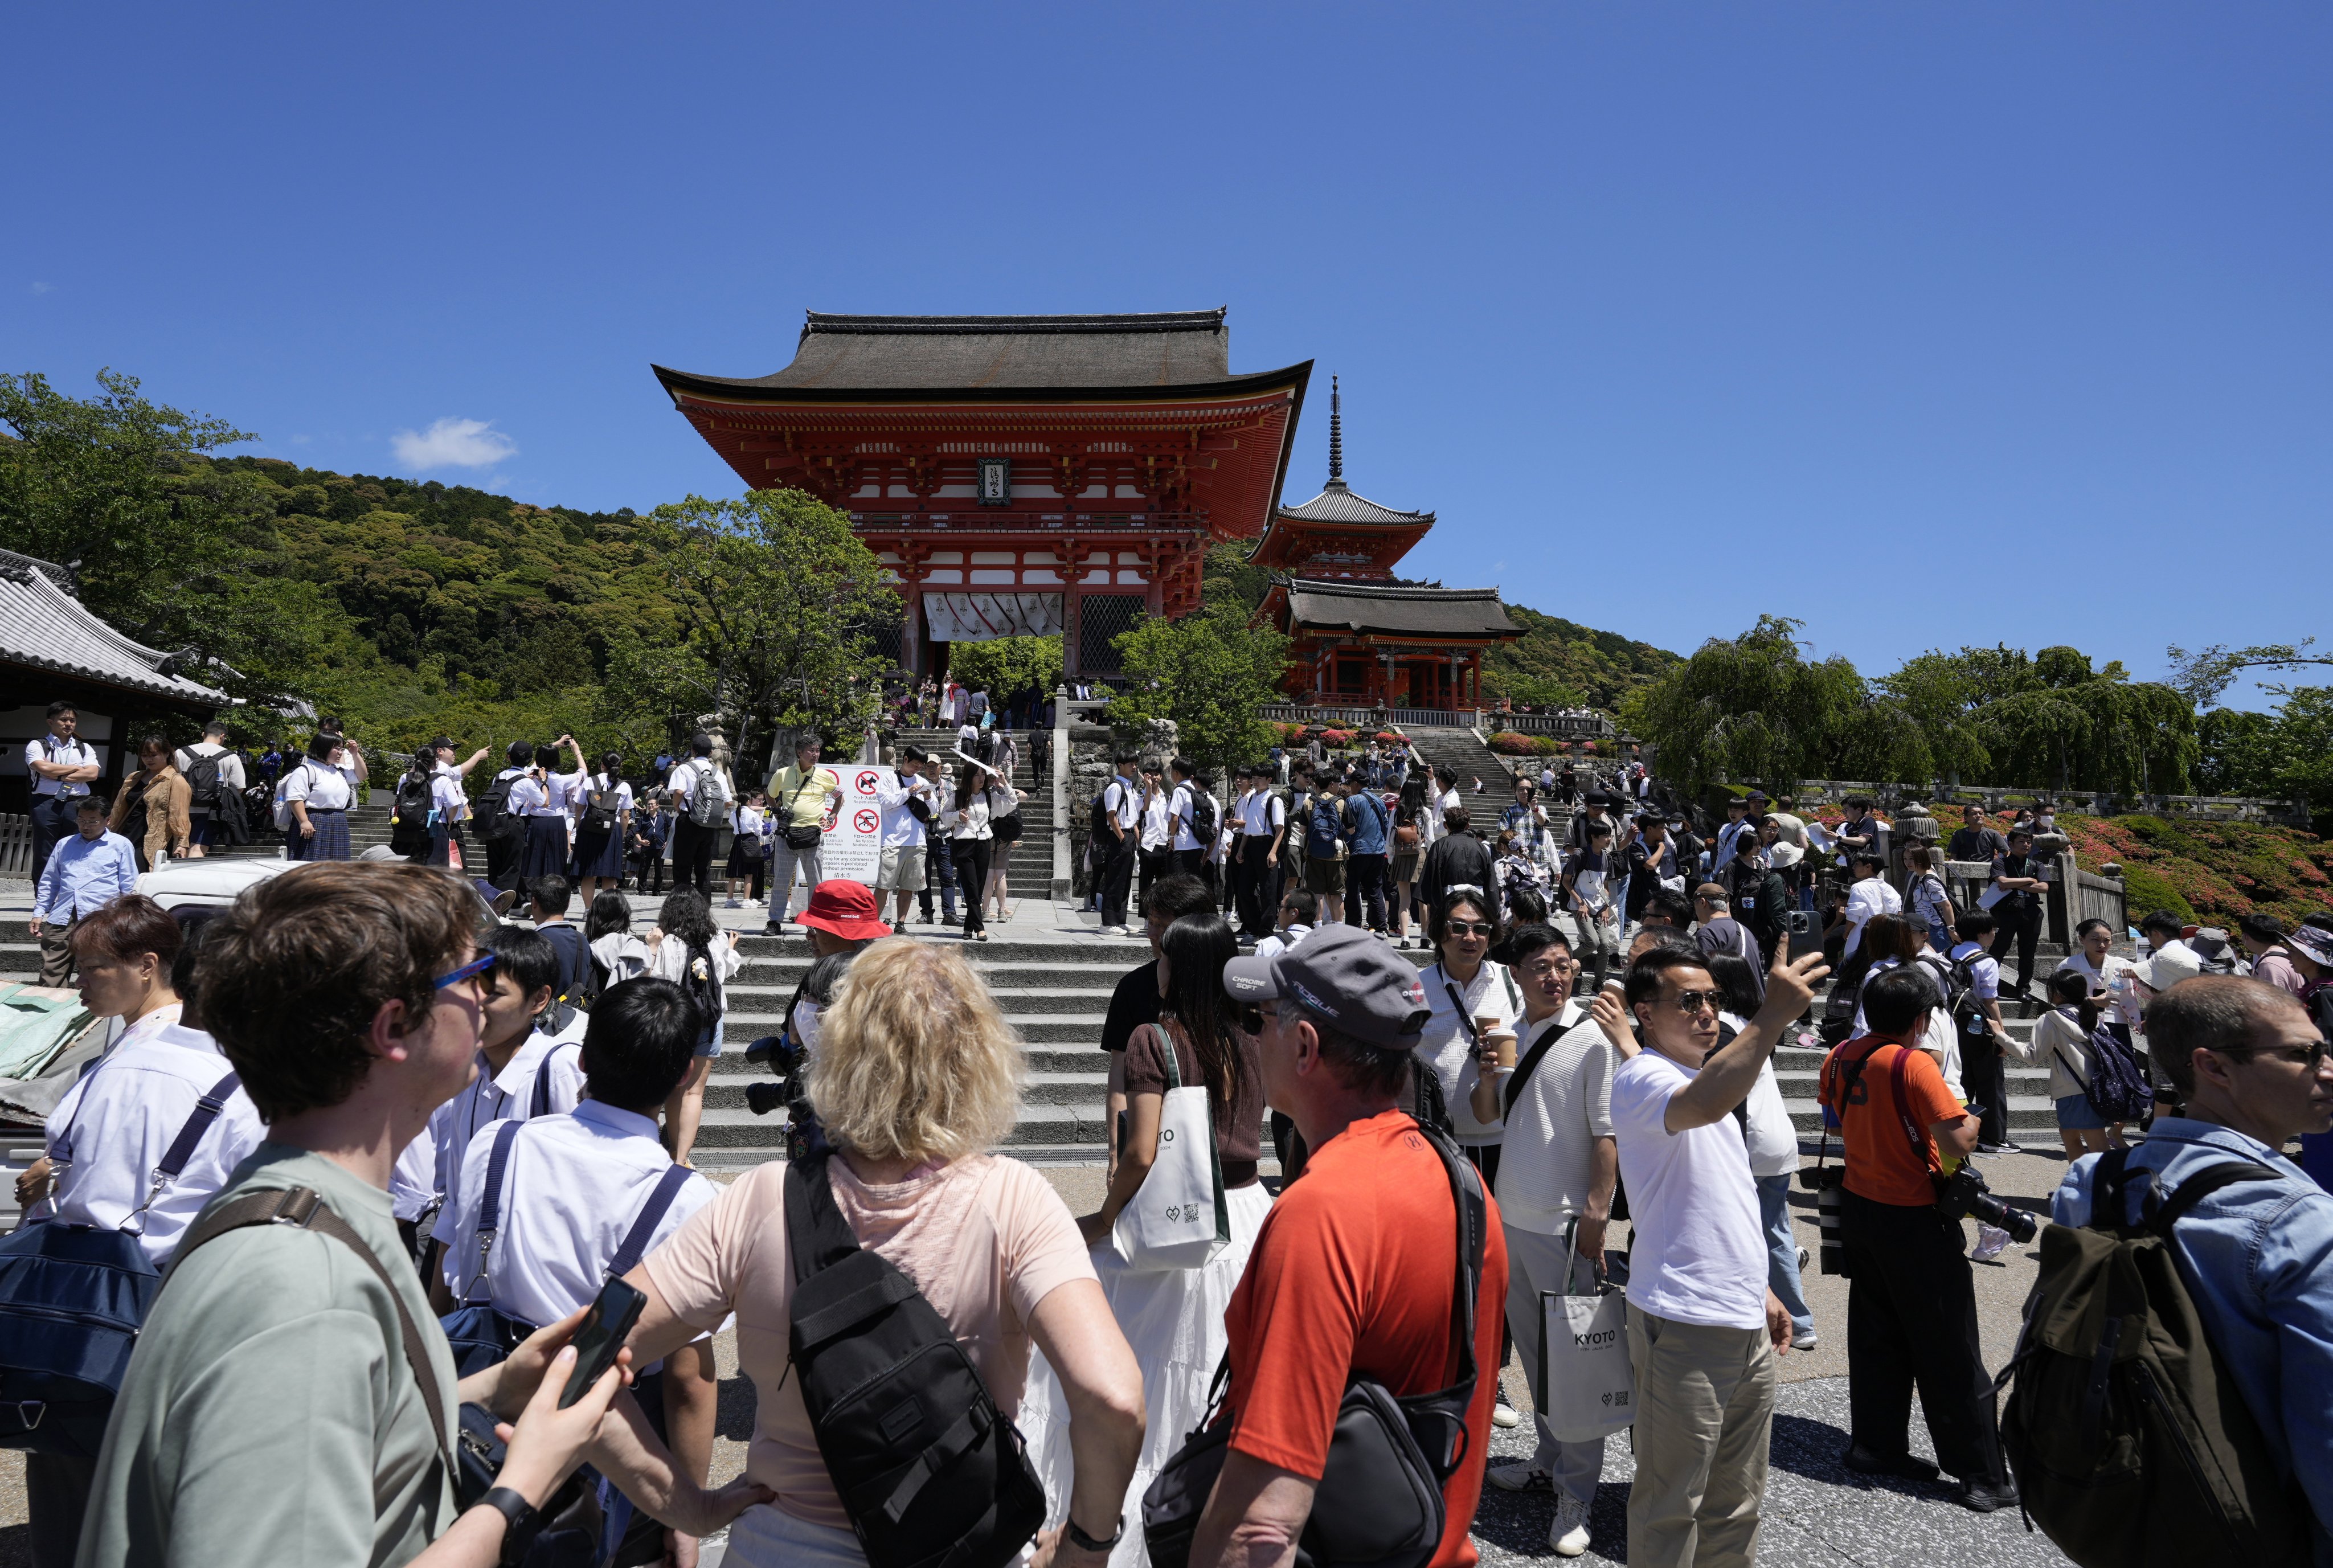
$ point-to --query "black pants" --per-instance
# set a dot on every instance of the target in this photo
(1152, 864)
(502, 860)
(649, 864)
(1259, 894)
(1187, 862)
(53, 818)
(1234, 877)
(2023, 928)
(692, 856)
(1987, 1082)
(1366, 876)
(56, 1492)
(1911, 1319)
(1117, 878)
(972, 857)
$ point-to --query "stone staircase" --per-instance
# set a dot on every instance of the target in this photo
(1461, 752)
(1031, 873)
(368, 826)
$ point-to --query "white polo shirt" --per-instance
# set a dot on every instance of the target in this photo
(1123, 800)
(1263, 813)
(491, 1096)
(446, 794)
(1178, 810)
(48, 749)
(123, 1116)
(572, 1185)
(324, 788)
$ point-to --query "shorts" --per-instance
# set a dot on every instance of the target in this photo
(2075, 1114)
(900, 869)
(1323, 879)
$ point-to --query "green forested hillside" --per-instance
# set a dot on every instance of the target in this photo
(1563, 663)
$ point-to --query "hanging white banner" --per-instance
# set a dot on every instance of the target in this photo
(985, 616)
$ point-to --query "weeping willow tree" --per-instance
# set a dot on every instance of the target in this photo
(1750, 708)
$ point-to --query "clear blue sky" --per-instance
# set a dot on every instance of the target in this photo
(1927, 325)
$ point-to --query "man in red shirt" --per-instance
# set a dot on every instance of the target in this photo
(1911, 1303)
(1356, 1268)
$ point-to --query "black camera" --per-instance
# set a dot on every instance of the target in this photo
(1964, 1193)
(778, 1054)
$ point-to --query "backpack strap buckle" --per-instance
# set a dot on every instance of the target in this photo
(28, 1413)
(297, 1207)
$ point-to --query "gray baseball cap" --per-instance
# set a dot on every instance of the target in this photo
(1346, 978)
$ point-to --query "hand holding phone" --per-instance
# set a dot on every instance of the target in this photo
(605, 1328)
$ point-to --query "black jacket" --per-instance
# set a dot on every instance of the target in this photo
(1456, 860)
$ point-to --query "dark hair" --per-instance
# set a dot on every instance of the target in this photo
(60, 708)
(1643, 981)
(1183, 766)
(1860, 802)
(1675, 906)
(686, 919)
(701, 744)
(2208, 1012)
(1975, 923)
(637, 1046)
(322, 745)
(1438, 918)
(2073, 985)
(1534, 938)
(1196, 947)
(526, 956)
(1177, 895)
(131, 925)
(546, 755)
(329, 723)
(520, 753)
(1598, 829)
(1737, 980)
(2094, 923)
(610, 911)
(910, 754)
(2025, 833)
(2260, 928)
(1891, 937)
(186, 970)
(2162, 920)
(155, 743)
(1358, 1065)
(1868, 857)
(551, 891)
(297, 968)
(611, 762)
(1896, 1000)
(1455, 819)
(94, 802)
(1448, 775)
(1524, 908)
(1122, 758)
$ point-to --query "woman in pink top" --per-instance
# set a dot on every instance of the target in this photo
(916, 1076)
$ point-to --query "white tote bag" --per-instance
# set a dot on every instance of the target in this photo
(1587, 1389)
(1178, 1218)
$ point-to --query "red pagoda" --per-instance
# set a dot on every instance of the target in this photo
(1360, 635)
(1022, 476)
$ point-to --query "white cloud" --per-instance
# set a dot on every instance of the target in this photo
(453, 444)
(42, 288)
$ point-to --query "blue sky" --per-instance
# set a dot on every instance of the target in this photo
(1926, 324)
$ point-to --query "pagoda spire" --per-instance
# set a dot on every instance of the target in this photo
(1336, 435)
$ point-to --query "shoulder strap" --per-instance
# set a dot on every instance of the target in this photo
(1447, 1408)
(490, 1202)
(539, 1102)
(817, 1236)
(1529, 1064)
(182, 1148)
(644, 1225)
(306, 1209)
(1917, 1134)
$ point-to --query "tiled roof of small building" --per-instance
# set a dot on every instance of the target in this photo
(42, 625)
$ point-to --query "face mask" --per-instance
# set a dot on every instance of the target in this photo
(805, 1021)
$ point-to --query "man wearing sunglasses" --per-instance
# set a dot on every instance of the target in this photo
(2257, 1255)
(1703, 1329)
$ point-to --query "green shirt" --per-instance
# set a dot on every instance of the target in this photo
(268, 1413)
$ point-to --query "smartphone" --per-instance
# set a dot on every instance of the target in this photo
(605, 1328)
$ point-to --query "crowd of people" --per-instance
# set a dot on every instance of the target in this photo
(391, 1142)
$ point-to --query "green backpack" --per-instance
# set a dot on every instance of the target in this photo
(2132, 1444)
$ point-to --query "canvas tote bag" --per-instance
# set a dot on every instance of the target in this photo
(1178, 1219)
(1589, 1389)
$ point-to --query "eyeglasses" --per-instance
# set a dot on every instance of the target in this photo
(481, 966)
(1468, 928)
(1253, 1015)
(1690, 1001)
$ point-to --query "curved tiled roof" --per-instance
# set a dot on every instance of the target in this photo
(44, 626)
(1336, 503)
(847, 352)
(1414, 611)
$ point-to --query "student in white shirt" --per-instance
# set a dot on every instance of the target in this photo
(1870, 895)
(1774, 1141)
(449, 808)
(63, 769)
(600, 851)
(1263, 818)
(1115, 853)
(1985, 1040)
(1182, 845)
(688, 949)
(1558, 1167)
(520, 1073)
(1704, 1326)
(208, 829)
(1157, 834)
(319, 794)
(1294, 928)
(908, 803)
(543, 798)
(576, 1188)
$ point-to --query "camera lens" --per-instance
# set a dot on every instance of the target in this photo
(762, 1099)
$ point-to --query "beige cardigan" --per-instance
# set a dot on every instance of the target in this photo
(168, 827)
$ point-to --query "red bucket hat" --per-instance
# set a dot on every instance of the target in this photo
(846, 909)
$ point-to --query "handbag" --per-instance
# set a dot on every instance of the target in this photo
(1178, 1218)
(801, 836)
(1586, 1388)
(1379, 1498)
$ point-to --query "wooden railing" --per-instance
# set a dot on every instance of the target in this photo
(16, 845)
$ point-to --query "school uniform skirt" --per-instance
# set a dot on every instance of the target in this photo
(544, 854)
(331, 840)
(599, 854)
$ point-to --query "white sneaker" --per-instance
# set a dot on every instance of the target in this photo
(1523, 1478)
(1503, 1414)
(1568, 1536)
(1114, 931)
(1805, 1342)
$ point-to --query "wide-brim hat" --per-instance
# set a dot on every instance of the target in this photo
(2312, 941)
(846, 909)
(2170, 963)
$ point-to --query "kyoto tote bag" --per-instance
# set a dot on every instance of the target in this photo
(1589, 1389)
(1178, 1219)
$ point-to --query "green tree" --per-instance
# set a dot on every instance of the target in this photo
(774, 595)
(1211, 672)
(1750, 708)
(1005, 666)
(164, 546)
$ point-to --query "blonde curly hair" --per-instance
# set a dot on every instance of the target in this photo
(914, 1059)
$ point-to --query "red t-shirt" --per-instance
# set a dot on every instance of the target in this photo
(1355, 1270)
(1879, 1161)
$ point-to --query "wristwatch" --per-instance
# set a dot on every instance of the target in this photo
(524, 1521)
(1085, 1543)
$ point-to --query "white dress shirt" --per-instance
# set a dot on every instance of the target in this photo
(573, 1187)
(123, 1116)
(1155, 835)
(324, 788)
(492, 1096)
(48, 749)
(901, 829)
(1179, 812)
(1871, 896)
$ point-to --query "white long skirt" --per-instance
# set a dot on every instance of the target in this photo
(1175, 1322)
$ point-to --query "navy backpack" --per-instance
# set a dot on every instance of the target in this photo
(72, 1298)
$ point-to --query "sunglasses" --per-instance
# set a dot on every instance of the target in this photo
(479, 967)
(1690, 1001)
(1468, 928)
(2313, 1056)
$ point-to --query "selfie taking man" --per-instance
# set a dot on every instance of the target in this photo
(1911, 1301)
(1703, 1329)
(1356, 1267)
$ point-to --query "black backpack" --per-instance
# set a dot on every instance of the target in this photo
(2132, 1444)
(499, 823)
(927, 1466)
(1104, 836)
(600, 807)
(1202, 817)
(203, 780)
(1379, 1499)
